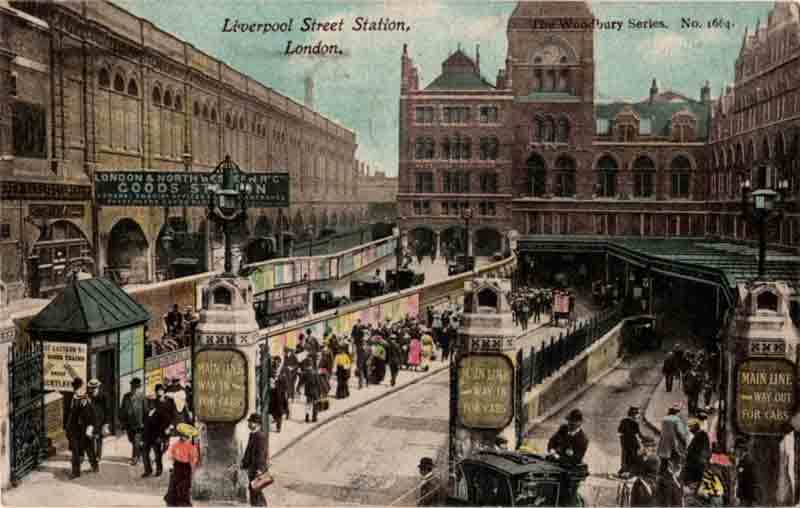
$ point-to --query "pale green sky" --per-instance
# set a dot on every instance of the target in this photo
(361, 88)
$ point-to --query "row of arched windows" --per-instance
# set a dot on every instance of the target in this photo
(547, 129)
(104, 80)
(456, 148)
(644, 169)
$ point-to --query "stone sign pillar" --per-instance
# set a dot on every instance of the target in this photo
(761, 356)
(224, 381)
(482, 377)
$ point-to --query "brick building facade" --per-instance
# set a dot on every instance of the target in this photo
(567, 164)
(87, 86)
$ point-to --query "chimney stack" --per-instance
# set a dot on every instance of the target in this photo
(309, 82)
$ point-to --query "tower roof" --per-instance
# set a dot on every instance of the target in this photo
(551, 9)
(459, 72)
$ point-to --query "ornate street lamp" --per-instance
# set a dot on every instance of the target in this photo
(759, 207)
(228, 203)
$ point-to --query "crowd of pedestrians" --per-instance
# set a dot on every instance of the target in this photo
(696, 371)
(371, 353)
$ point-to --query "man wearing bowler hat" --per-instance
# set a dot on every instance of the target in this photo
(569, 443)
(80, 429)
(255, 458)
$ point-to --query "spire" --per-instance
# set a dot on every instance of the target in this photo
(478, 58)
(653, 90)
(705, 92)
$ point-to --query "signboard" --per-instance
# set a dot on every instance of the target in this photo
(765, 396)
(45, 191)
(48, 211)
(767, 347)
(63, 361)
(487, 344)
(220, 385)
(181, 188)
(485, 391)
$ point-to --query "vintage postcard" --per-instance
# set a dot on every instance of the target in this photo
(399, 253)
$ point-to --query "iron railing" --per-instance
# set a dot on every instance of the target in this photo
(538, 365)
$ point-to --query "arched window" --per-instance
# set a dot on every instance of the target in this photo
(104, 78)
(178, 103)
(119, 83)
(241, 122)
(168, 99)
(487, 297)
(133, 88)
(489, 148)
(196, 108)
(156, 95)
(681, 168)
(213, 115)
(550, 81)
(565, 176)
(549, 132)
(537, 80)
(222, 296)
(644, 175)
(607, 177)
(424, 148)
(228, 123)
(562, 134)
(767, 301)
(538, 129)
(537, 175)
(205, 112)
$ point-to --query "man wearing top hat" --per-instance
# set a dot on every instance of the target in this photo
(630, 438)
(255, 458)
(569, 443)
(80, 429)
(131, 414)
(428, 488)
(99, 405)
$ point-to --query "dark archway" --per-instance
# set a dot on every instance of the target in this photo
(453, 241)
(61, 248)
(263, 226)
(487, 242)
(127, 253)
(422, 241)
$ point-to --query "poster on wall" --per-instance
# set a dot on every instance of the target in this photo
(63, 361)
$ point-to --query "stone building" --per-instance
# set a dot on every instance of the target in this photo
(86, 86)
(755, 121)
(535, 152)
(378, 192)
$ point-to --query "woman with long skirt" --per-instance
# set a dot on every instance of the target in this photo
(185, 456)
(343, 364)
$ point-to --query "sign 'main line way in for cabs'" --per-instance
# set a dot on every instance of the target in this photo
(181, 188)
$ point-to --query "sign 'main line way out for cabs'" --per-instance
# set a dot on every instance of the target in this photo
(181, 188)
(485, 391)
(766, 396)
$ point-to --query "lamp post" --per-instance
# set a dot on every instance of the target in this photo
(466, 214)
(759, 208)
(228, 203)
(167, 240)
(398, 251)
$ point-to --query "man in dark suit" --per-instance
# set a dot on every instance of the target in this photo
(80, 429)
(157, 425)
(569, 443)
(255, 458)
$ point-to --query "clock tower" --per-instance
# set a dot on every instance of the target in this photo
(550, 66)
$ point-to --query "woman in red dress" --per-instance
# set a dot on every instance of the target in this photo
(185, 456)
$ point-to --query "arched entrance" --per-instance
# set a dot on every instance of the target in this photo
(128, 252)
(487, 241)
(61, 248)
(453, 241)
(422, 241)
(263, 226)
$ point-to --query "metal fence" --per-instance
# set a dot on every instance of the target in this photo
(535, 367)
